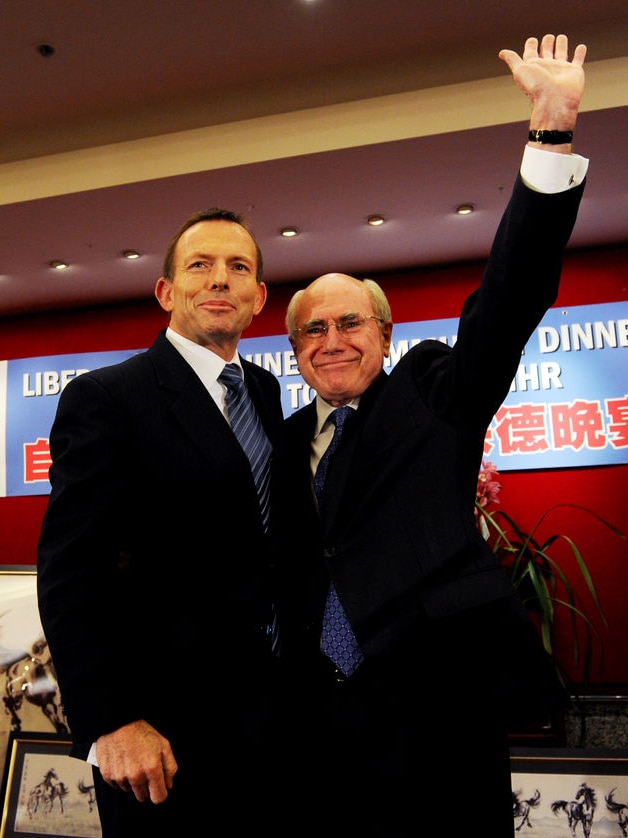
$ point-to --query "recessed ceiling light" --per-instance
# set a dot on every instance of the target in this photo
(58, 265)
(465, 209)
(45, 50)
(289, 232)
(375, 220)
(130, 254)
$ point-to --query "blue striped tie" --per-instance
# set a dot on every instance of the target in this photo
(247, 427)
(338, 641)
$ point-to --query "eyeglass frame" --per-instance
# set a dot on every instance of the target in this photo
(342, 326)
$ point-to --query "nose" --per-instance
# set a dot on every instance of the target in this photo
(219, 277)
(333, 337)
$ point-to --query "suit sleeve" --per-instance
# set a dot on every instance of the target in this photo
(78, 558)
(520, 283)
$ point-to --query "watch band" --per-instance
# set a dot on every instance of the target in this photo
(550, 137)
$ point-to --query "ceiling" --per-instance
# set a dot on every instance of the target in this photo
(314, 113)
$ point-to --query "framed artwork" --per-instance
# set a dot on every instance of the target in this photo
(45, 791)
(30, 699)
(570, 792)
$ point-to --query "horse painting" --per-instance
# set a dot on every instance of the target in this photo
(44, 794)
(31, 677)
(619, 809)
(521, 808)
(90, 793)
(579, 811)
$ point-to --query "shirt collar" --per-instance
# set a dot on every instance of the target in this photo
(323, 409)
(203, 361)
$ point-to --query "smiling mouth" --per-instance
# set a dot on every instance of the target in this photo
(339, 362)
(217, 305)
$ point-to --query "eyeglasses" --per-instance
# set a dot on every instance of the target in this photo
(349, 324)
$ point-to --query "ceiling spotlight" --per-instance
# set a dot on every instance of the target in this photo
(375, 220)
(45, 50)
(130, 254)
(58, 265)
(465, 209)
(289, 232)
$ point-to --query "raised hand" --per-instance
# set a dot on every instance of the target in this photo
(553, 84)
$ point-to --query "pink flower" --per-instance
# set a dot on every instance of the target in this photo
(488, 487)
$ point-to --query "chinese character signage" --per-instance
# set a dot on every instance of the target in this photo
(567, 406)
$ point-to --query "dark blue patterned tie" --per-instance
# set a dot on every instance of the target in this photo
(247, 427)
(338, 641)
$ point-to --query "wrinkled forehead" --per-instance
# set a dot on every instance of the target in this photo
(332, 296)
(216, 237)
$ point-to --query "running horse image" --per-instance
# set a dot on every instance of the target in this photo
(521, 808)
(89, 792)
(43, 795)
(619, 809)
(579, 811)
(30, 676)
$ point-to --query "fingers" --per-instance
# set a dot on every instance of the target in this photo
(170, 769)
(160, 782)
(122, 785)
(530, 49)
(154, 785)
(140, 790)
(579, 55)
(155, 789)
(552, 46)
(547, 46)
(558, 48)
(510, 57)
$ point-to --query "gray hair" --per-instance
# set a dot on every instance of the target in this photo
(379, 301)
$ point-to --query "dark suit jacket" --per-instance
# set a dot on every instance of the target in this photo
(152, 564)
(399, 537)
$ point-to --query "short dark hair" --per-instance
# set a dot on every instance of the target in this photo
(211, 214)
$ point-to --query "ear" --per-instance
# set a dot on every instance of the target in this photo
(387, 328)
(163, 292)
(262, 293)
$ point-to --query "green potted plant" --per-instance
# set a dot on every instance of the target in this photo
(539, 576)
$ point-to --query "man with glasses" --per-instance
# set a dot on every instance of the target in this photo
(410, 652)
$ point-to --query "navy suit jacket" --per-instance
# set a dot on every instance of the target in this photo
(399, 537)
(152, 564)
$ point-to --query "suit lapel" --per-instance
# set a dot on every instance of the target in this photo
(194, 409)
(353, 466)
(339, 472)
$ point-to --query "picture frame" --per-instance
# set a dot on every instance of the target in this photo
(29, 693)
(570, 792)
(45, 791)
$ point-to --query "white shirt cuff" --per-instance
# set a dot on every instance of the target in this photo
(91, 756)
(550, 172)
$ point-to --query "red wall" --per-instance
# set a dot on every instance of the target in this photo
(589, 277)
